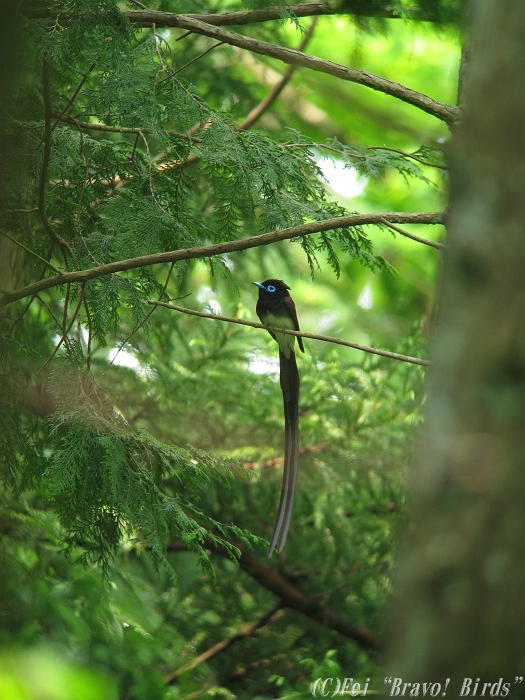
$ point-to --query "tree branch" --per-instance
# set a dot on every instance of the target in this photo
(293, 598)
(246, 631)
(447, 113)
(197, 58)
(148, 17)
(310, 9)
(63, 117)
(413, 156)
(299, 334)
(274, 93)
(220, 249)
(31, 252)
(66, 330)
(402, 231)
(256, 113)
(143, 320)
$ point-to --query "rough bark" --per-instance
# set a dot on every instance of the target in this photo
(460, 612)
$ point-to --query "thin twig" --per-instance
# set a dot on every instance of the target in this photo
(409, 155)
(46, 306)
(85, 182)
(150, 175)
(171, 75)
(135, 144)
(90, 333)
(402, 231)
(23, 313)
(75, 93)
(299, 334)
(33, 297)
(8, 212)
(66, 331)
(65, 308)
(95, 126)
(141, 323)
(266, 103)
(156, 41)
(46, 89)
(222, 248)
(32, 252)
(246, 631)
(183, 36)
(325, 147)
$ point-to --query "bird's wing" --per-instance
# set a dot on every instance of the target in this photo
(290, 306)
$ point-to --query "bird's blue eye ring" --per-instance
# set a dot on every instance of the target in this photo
(270, 288)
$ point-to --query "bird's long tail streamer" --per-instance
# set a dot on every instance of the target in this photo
(289, 377)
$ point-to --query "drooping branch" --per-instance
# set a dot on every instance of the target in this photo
(274, 93)
(221, 248)
(292, 597)
(445, 112)
(425, 241)
(300, 334)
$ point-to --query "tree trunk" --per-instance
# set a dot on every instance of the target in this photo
(460, 609)
(12, 256)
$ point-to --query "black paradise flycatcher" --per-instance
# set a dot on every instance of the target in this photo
(275, 307)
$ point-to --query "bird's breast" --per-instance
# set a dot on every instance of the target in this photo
(286, 342)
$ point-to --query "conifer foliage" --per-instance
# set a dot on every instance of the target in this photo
(126, 138)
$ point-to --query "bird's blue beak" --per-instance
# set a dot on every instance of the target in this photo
(258, 284)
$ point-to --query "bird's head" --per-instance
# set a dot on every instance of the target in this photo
(272, 289)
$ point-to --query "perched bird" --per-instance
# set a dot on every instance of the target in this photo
(275, 307)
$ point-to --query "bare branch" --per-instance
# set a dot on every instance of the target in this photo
(299, 334)
(447, 113)
(165, 19)
(292, 597)
(402, 231)
(139, 4)
(309, 9)
(197, 58)
(270, 98)
(246, 631)
(31, 252)
(75, 93)
(145, 17)
(143, 321)
(66, 330)
(61, 116)
(221, 249)
(8, 212)
(98, 126)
